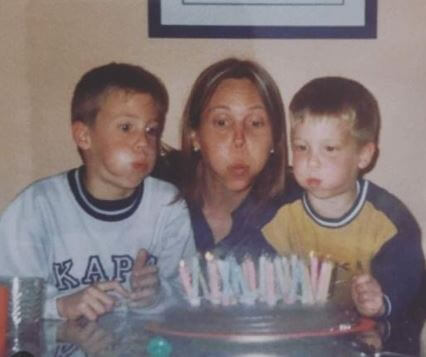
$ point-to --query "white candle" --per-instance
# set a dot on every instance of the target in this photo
(288, 280)
(324, 281)
(261, 277)
(213, 279)
(224, 271)
(271, 297)
(279, 272)
(307, 294)
(295, 279)
(195, 277)
(246, 297)
(185, 278)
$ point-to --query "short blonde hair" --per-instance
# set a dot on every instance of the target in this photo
(340, 98)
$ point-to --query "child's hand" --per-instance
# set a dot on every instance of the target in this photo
(90, 302)
(367, 296)
(143, 280)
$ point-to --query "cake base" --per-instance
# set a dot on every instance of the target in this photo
(246, 325)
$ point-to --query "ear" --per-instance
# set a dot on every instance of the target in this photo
(81, 135)
(194, 140)
(366, 154)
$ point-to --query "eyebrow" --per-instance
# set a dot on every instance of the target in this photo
(133, 116)
(225, 107)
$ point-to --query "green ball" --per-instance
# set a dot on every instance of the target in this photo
(159, 347)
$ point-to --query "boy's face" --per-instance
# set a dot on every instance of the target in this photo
(121, 147)
(326, 156)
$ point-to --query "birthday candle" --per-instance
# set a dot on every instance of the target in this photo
(250, 273)
(204, 287)
(185, 278)
(246, 297)
(295, 278)
(280, 275)
(271, 298)
(307, 294)
(288, 281)
(324, 281)
(195, 277)
(330, 268)
(224, 271)
(314, 272)
(261, 278)
(213, 279)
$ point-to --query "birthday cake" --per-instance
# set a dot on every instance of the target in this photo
(267, 299)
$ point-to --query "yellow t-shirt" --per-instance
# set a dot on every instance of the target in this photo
(350, 242)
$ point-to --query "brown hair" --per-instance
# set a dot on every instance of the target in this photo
(271, 179)
(100, 81)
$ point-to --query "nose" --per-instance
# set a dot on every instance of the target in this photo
(313, 159)
(141, 140)
(239, 136)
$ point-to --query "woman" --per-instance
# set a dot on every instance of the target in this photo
(233, 156)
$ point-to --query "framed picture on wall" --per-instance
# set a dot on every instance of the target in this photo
(262, 18)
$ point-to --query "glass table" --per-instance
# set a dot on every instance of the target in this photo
(131, 334)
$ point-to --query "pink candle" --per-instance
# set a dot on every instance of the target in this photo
(262, 278)
(213, 279)
(314, 272)
(185, 278)
(250, 273)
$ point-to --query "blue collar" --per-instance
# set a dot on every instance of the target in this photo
(105, 210)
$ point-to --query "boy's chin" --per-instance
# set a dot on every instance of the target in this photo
(318, 193)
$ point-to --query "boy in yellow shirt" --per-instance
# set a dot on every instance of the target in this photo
(367, 231)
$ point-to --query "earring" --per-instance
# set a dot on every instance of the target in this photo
(272, 151)
(195, 148)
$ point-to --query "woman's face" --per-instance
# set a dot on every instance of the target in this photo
(234, 136)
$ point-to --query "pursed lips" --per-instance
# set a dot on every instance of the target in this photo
(139, 165)
(238, 169)
(313, 182)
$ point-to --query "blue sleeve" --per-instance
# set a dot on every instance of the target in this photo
(399, 267)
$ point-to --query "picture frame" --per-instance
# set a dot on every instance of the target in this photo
(245, 19)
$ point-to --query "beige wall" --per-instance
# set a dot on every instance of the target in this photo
(46, 45)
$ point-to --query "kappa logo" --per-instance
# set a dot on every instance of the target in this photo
(94, 272)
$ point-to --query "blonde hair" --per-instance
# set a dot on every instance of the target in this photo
(340, 98)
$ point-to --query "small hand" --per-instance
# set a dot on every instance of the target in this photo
(143, 280)
(90, 302)
(367, 296)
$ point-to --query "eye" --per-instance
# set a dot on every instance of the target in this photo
(299, 147)
(221, 122)
(153, 130)
(331, 148)
(125, 127)
(257, 122)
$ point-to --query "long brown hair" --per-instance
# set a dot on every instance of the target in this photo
(271, 179)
